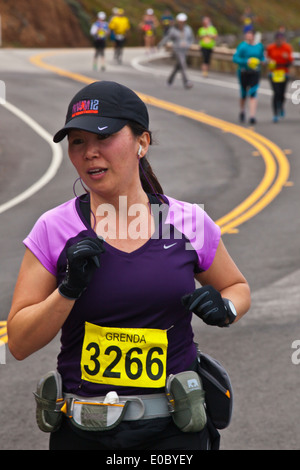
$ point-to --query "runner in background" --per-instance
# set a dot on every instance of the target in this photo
(120, 26)
(280, 57)
(99, 32)
(207, 35)
(114, 12)
(149, 26)
(248, 19)
(249, 57)
(182, 37)
(166, 21)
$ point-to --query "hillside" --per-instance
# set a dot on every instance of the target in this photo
(40, 23)
(66, 23)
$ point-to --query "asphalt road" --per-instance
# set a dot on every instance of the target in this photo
(195, 161)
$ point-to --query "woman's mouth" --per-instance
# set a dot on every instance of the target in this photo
(97, 172)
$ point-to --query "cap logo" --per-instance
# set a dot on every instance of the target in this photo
(85, 107)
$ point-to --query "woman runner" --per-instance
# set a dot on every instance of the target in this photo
(110, 269)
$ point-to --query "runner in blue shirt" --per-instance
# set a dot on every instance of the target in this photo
(249, 57)
(115, 270)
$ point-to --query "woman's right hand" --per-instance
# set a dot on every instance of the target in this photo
(83, 258)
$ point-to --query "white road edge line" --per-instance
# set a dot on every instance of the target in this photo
(57, 153)
(57, 156)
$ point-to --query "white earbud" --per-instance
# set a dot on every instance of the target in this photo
(139, 151)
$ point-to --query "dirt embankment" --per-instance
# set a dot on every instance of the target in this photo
(40, 23)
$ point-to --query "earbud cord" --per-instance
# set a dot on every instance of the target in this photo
(82, 200)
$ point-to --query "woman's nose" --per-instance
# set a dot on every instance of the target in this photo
(91, 151)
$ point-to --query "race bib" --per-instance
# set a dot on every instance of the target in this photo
(131, 357)
(278, 76)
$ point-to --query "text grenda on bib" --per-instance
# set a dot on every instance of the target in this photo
(131, 357)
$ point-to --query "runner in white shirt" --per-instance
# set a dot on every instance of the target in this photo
(99, 31)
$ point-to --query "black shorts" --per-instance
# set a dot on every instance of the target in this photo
(206, 54)
(152, 434)
(100, 44)
(249, 81)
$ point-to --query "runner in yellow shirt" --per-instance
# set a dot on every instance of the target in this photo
(120, 26)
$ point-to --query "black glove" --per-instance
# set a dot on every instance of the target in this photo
(82, 261)
(208, 305)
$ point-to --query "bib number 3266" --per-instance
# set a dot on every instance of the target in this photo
(124, 356)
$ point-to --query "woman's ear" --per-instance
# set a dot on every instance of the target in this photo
(144, 142)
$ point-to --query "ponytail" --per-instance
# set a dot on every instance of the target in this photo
(148, 179)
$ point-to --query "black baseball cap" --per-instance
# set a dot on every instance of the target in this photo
(103, 107)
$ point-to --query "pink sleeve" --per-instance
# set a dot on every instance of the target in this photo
(202, 233)
(51, 232)
(38, 243)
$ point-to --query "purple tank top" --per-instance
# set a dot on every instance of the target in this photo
(139, 291)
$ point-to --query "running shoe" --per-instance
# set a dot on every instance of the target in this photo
(242, 116)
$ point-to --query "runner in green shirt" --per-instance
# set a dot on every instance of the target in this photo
(207, 39)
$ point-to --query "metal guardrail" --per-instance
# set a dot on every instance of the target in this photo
(222, 60)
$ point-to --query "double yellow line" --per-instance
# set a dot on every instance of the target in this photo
(3, 332)
(277, 166)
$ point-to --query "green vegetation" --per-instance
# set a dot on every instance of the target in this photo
(226, 14)
(82, 15)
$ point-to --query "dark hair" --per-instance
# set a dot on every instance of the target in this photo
(148, 179)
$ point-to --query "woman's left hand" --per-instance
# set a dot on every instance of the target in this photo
(207, 303)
